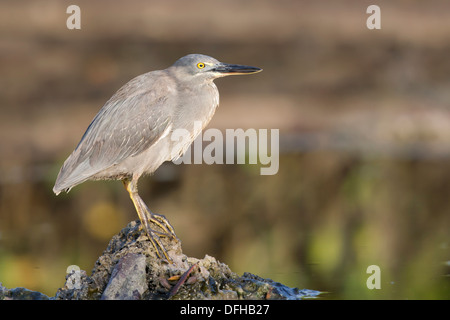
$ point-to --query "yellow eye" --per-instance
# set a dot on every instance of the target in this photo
(200, 65)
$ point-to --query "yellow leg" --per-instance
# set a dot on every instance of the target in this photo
(146, 216)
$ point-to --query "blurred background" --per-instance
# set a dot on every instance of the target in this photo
(364, 120)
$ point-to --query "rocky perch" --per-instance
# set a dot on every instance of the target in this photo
(130, 270)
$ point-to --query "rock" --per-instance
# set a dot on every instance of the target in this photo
(128, 279)
(130, 269)
(20, 294)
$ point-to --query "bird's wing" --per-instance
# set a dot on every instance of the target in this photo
(124, 129)
(129, 123)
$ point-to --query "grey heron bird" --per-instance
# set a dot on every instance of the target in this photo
(131, 135)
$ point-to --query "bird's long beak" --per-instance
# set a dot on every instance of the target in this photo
(232, 69)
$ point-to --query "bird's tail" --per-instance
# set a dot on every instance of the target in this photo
(69, 176)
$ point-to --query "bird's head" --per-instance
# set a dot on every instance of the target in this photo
(205, 67)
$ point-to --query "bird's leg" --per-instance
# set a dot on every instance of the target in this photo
(146, 216)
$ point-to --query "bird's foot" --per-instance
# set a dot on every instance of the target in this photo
(165, 229)
(164, 224)
(157, 244)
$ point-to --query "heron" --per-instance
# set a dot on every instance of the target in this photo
(131, 134)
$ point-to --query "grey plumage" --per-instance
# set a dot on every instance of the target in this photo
(130, 136)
